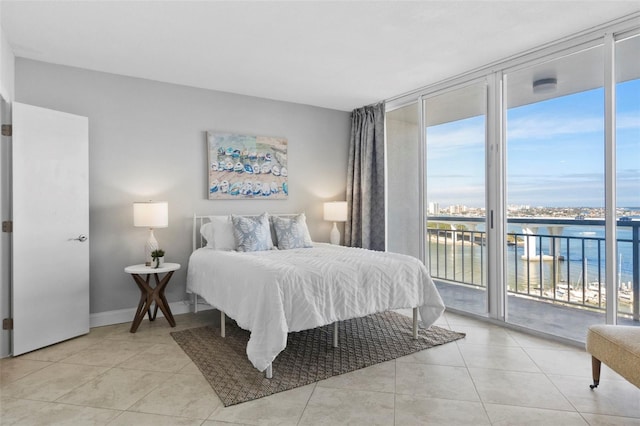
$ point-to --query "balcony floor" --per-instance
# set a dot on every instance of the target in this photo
(558, 320)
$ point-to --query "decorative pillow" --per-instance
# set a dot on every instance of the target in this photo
(292, 232)
(219, 233)
(252, 233)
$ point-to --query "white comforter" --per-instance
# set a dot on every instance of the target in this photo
(274, 292)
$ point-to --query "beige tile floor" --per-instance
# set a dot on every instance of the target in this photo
(495, 376)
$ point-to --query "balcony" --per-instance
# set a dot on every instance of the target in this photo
(555, 270)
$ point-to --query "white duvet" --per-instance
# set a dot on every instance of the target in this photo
(271, 293)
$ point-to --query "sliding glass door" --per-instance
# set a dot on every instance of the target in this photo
(522, 185)
(555, 167)
(455, 139)
(627, 66)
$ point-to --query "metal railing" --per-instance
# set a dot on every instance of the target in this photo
(565, 269)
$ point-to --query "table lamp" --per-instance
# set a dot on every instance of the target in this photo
(150, 214)
(335, 211)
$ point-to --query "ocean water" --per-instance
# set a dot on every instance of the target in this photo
(582, 268)
(587, 243)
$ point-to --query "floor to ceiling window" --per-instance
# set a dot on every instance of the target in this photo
(455, 140)
(555, 165)
(627, 66)
(514, 172)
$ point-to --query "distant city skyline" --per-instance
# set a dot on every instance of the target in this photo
(555, 153)
(435, 209)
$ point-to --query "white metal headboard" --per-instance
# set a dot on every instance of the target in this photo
(198, 221)
(198, 240)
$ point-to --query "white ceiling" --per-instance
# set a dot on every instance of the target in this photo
(339, 55)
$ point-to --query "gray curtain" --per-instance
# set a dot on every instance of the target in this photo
(365, 225)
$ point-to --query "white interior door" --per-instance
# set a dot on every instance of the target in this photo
(50, 286)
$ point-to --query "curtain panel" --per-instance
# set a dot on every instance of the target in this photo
(365, 226)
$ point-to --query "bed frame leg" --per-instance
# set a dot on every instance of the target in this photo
(222, 324)
(268, 373)
(335, 334)
(415, 323)
(195, 303)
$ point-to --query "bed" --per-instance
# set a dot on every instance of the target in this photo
(277, 291)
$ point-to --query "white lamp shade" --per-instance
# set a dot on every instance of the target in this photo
(151, 214)
(335, 211)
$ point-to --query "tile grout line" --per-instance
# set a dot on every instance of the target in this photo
(475, 386)
(170, 374)
(552, 382)
(150, 391)
(4, 385)
(395, 389)
(315, 385)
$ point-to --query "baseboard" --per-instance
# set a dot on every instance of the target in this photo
(120, 316)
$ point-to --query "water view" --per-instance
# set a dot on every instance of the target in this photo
(560, 262)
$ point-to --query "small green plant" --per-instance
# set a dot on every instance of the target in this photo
(156, 255)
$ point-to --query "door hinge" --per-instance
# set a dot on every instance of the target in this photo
(7, 324)
(7, 130)
(7, 226)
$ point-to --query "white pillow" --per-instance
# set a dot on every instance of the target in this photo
(252, 233)
(206, 230)
(219, 233)
(291, 232)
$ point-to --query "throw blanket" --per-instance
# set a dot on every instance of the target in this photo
(271, 293)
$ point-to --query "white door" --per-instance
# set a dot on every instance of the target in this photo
(50, 286)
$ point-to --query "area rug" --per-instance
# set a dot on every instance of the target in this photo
(309, 355)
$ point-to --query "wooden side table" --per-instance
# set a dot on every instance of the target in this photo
(149, 295)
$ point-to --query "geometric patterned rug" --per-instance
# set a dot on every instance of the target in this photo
(309, 355)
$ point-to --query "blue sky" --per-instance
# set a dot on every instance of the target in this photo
(555, 153)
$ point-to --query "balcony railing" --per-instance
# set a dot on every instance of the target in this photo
(564, 265)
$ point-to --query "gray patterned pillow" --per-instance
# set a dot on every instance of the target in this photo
(292, 232)
(252, 233)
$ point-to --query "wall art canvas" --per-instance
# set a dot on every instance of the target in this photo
(245, 167)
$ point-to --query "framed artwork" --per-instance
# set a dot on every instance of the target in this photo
(245, 167)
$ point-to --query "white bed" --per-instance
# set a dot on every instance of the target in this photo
(273, 292)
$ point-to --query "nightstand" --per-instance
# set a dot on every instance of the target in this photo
(149, 295)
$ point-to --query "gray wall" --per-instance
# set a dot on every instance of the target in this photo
(147, 141)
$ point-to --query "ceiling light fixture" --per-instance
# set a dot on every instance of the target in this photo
(545, 85)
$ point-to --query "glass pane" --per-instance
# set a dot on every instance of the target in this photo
(628, 178)
(455, 194)
(555, 195)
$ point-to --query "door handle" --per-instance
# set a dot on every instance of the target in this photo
(82, 238)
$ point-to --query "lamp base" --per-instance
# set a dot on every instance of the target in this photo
(150, 246)
(334, 237)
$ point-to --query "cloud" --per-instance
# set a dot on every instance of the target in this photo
(469, 195)
(629, 120)
(628, 174)
(547, 126)
(544, 126)
(446, 139)
(450, 138)
(434, 176)
(553, 155)
(591, 176)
